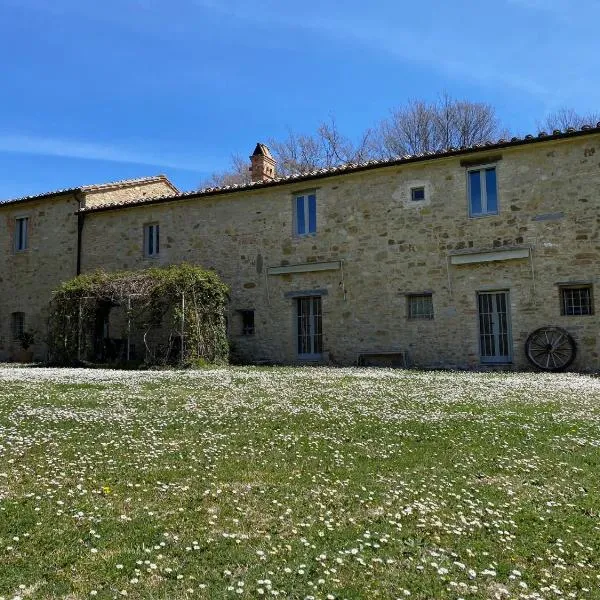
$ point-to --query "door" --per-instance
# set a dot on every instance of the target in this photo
(495, 344)
(310, 334)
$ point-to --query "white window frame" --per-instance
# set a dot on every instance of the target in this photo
(305, 195)
(21, 236)
(484, 211)
(151, 229)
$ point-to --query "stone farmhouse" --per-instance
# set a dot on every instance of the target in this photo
(450, 259)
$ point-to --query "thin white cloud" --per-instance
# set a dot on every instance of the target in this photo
(403, 44)
(80, 149)
(400, 43)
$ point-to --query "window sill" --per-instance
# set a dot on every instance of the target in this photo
(483, 215)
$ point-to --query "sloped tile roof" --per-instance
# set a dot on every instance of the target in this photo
(356, 167)
(124, 183)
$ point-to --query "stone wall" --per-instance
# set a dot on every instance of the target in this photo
(27, 278)
(125, 192)
(388, 246)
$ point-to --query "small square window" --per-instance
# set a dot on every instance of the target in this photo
(247, 322)
(17, 325)
(420, 306)
(21, 234)
(305, 208)
(482, 192)
(576, 300)
(417, 194)
(151, 240)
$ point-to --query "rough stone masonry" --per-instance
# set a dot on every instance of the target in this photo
(447, 260)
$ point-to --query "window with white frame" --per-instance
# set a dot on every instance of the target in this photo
(305, 209)
(482, 191)
(21, 234)
(420, 306)
(576, 300)
(17, 325)
(151, 240)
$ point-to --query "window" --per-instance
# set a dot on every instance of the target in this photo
(417, 194)
(495, 339)
(306, 214)
(310, 330)
(483, 192)
(17, 325)
(576, 300)
(21, 233)
(151, 240)
(247, 322)
(420, 306)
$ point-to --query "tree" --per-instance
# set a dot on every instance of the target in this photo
(415, 128)
(238, 173)
(302, 153)
(420, 127)
(565, 118)
(327, 147)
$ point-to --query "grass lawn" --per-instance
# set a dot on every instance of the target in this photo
(298, 483)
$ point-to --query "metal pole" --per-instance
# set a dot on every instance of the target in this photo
(182, 324)
(79, 332)
(128, 325)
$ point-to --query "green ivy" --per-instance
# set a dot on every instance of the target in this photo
(186, 303)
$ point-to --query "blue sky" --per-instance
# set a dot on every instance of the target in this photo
(99, 91)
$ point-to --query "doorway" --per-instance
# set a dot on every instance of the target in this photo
(495, 343)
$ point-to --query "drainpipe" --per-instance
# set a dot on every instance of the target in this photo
(80, 221)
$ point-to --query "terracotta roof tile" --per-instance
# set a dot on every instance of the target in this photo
(93, 188)
(356, 167)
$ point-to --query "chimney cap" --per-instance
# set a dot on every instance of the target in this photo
(262, 150)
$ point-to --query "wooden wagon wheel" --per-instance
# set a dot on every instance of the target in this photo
(550, 348)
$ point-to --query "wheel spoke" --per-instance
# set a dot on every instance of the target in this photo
(550, 348)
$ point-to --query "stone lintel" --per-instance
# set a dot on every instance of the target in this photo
(466, 258)
(305, 268)
(303, 293)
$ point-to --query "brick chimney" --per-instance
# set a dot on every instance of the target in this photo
(263, 164)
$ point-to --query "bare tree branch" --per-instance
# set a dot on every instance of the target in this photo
(414, 128)
(420, 127)
(237, 174)
(565, 118)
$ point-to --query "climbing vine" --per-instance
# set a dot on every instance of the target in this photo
(159, 316)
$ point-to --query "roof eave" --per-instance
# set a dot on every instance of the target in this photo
(346, 169)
